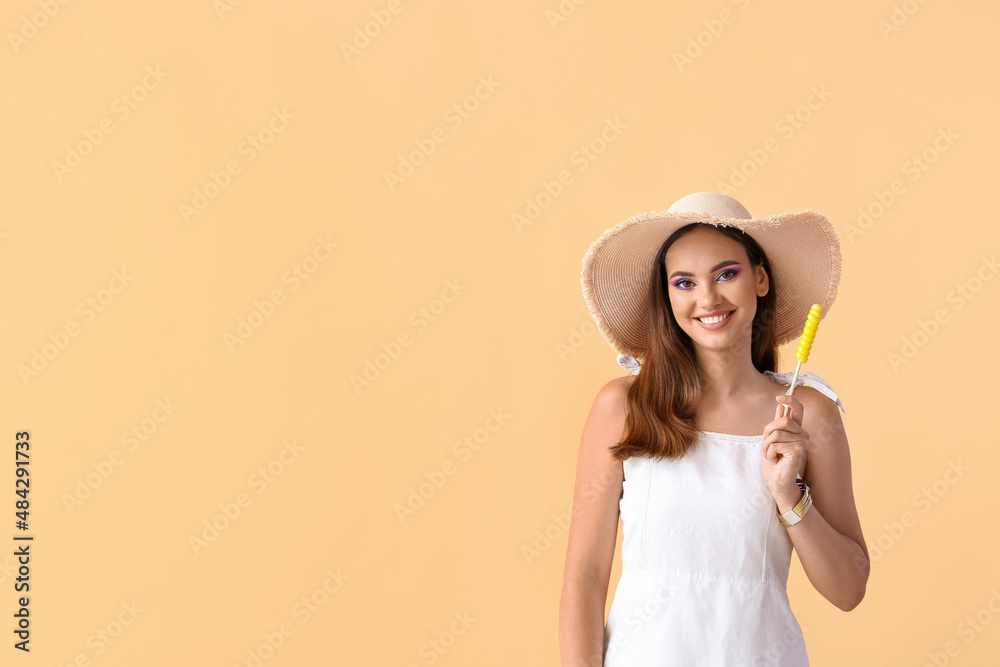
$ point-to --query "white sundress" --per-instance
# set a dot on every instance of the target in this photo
(704, 559)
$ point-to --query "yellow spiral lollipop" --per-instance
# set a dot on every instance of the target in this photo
(809, 333)
(805, 345)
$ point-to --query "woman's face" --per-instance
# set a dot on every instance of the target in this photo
(708, 274)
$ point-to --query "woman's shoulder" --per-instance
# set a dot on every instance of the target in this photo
(613, 391)
(610, 405)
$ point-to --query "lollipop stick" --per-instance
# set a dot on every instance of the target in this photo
(795, 378)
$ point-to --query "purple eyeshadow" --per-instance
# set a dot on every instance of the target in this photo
(735, 268)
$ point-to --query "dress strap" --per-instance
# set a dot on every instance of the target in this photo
(811, 379)
(632, 364)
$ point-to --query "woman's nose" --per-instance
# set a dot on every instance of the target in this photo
(709, 297)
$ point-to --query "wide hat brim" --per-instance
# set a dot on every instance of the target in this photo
(802, 248)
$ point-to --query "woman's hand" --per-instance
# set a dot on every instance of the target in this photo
(783, 453)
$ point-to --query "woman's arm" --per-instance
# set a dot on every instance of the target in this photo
(593, 531)
(828, 539)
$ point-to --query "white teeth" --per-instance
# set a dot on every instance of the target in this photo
(713, 320)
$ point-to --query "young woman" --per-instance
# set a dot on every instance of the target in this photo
(714, 485)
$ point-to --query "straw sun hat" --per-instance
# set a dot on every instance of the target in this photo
(803, 250)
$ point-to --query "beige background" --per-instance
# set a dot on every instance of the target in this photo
(494, 345)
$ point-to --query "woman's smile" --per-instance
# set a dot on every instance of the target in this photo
(714, 323)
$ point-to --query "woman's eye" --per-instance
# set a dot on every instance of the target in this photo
(680, 283)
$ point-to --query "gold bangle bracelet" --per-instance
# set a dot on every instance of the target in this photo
(794, 515)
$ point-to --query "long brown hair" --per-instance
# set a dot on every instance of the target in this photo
(662, 400)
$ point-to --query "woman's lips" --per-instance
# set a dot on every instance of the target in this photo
(716, 325)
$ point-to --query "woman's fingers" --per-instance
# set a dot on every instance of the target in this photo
(794, 405)
(783, 437)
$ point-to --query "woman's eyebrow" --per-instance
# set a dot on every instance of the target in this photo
(714, 268)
